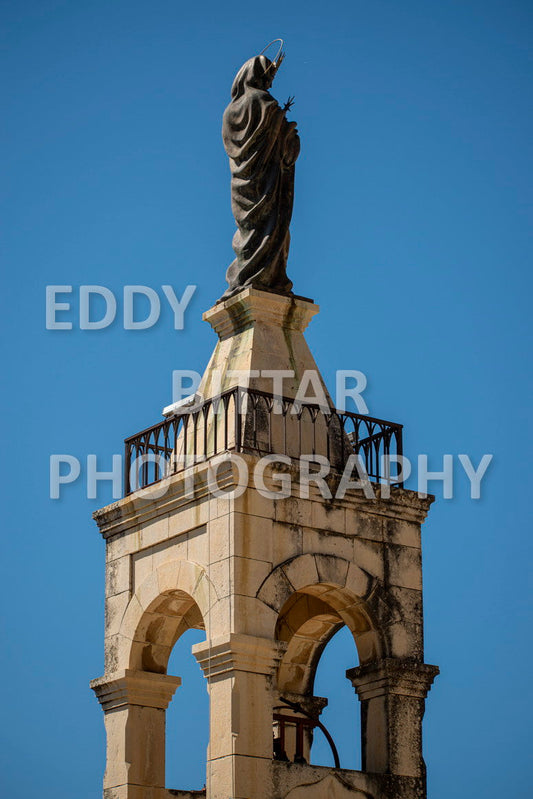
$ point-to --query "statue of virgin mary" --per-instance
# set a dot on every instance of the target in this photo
(262, 147)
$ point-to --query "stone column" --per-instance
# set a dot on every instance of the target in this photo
(239, 671)
(392, 694)
(134, 704)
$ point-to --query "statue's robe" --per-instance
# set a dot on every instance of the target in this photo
(262, 147)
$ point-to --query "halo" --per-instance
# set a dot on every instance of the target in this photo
(276, 62)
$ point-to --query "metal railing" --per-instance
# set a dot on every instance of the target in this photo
(253, 421)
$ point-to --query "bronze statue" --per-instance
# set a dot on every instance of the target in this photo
(262, 147)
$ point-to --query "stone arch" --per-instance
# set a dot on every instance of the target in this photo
(314, 596)
(174, 598)
(324, 571)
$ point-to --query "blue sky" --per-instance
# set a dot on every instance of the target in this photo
(410, 231)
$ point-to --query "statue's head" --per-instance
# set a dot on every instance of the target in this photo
(257, 73)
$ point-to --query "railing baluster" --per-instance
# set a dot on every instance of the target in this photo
(238, 420)
(127, 467)
(215, 428)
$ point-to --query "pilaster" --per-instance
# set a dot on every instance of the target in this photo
(239, 670)
(392, 694)
(134, 704)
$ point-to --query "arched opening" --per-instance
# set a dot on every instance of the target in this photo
(341, 716)
(168, 628)
(187, 718)
(312, 670)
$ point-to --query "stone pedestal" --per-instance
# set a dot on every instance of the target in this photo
(262, 347)
(259, 332)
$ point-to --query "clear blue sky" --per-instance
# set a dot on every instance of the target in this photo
(409, 230)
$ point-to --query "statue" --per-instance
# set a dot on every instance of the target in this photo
(262, 146)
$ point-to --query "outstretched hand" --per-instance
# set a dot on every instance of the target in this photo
(288, 105)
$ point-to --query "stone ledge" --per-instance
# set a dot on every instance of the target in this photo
(238, 652)
(249, 306)
(139, 508)
(363, 785)
(133, 687)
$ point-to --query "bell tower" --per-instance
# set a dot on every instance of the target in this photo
(271, 559)
(269, 520)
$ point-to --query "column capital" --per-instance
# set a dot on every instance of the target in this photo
(392, 676)
(133, 687)
(222, 656)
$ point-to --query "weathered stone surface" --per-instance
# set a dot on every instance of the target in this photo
(392, 692)
(332, 786)
(291, 777)
(232, 574)
(259, 332)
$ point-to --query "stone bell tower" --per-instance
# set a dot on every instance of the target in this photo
(270, 522)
